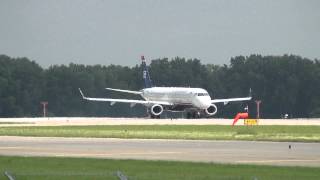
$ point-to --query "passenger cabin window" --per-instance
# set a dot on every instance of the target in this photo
(203, 94)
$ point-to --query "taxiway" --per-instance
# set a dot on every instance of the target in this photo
(238, 152)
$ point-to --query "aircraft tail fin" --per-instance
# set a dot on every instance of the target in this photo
(146, 76)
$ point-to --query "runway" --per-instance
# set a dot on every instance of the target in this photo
(85, 121)
(235, 152)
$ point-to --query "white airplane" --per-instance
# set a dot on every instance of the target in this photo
(195, 101)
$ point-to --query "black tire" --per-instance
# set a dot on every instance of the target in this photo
(189, 115)
(196, 115)
(152, 116)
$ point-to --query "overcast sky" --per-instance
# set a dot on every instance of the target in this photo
(119, 31)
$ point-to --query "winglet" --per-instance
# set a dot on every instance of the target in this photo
(81, 93)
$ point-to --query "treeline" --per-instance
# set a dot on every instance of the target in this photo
(286, 85)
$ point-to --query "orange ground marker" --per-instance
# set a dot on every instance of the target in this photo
(240, 116)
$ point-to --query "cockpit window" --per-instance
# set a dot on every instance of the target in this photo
(203, 94)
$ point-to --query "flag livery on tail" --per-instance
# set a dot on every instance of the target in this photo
(146, 76)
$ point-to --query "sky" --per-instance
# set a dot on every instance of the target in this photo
(120, 31)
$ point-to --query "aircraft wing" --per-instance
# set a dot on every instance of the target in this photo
(226, 101)
(126, 91)
(131, 101)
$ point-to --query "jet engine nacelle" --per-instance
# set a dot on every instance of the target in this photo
(211, 110)
(156, 109)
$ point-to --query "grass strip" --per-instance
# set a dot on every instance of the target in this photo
(193, 132)
(36, 168)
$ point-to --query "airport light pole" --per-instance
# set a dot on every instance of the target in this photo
(258, 102)
(44, 107)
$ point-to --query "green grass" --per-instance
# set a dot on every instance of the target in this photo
(204, 132)
(39, 168)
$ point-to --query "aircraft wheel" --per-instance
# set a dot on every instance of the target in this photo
(154, 116)
(189, 115)
(196, 115)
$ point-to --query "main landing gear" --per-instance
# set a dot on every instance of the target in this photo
(193, 115)
(154, 116)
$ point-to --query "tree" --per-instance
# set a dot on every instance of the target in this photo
(285, 84)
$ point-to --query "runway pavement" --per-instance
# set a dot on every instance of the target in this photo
(242, 152)
(83, 121)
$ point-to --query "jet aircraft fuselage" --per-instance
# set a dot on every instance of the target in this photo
(196, 97)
